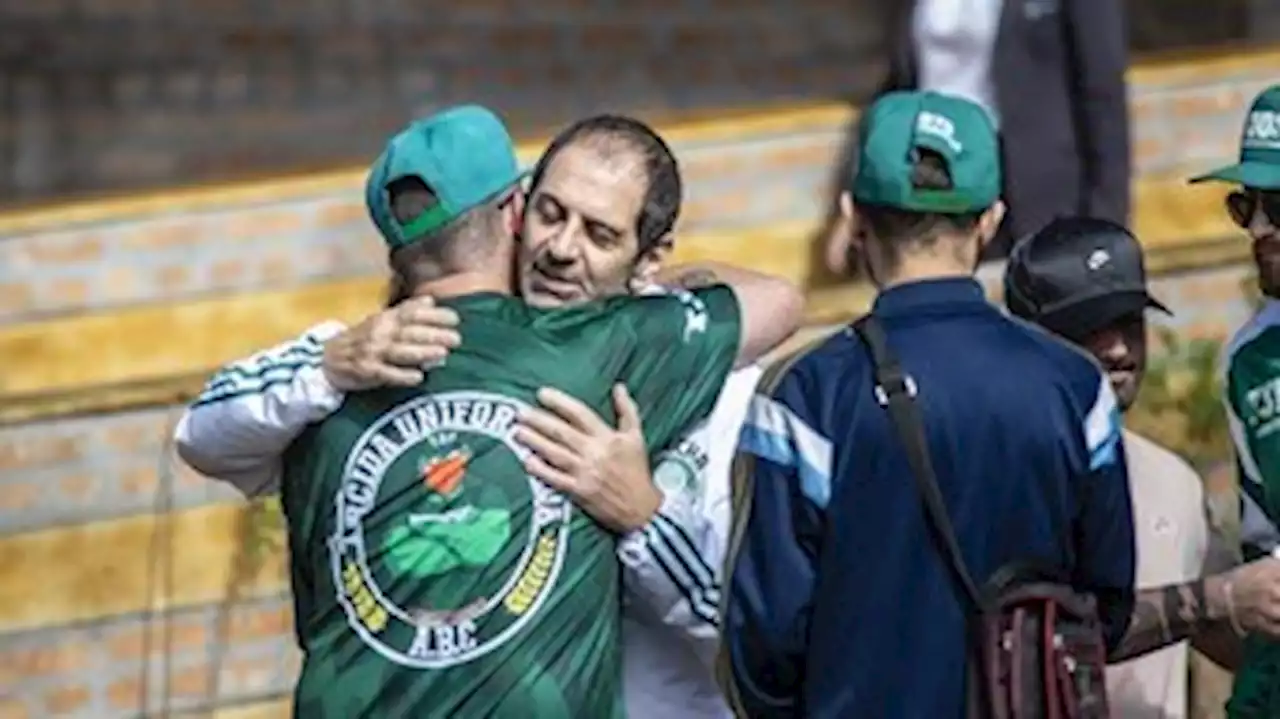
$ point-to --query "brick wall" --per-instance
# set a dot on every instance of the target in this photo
(111, 94)
(158, 664)
(764, 177)
(115, 94)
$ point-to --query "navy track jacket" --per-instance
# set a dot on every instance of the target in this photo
(839, 604)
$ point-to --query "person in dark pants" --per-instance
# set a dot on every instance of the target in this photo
(838, 602)
(1051, 75)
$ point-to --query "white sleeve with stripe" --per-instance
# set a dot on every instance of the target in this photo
(673, 564)
(252, 409)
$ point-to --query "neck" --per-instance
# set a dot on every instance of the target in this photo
(466, 283)
(931, 267)
(945, 259)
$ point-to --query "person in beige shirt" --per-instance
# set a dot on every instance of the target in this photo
(1173, 542)
(1083, 279)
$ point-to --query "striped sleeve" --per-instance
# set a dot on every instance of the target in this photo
(1104, 538)
(259, 372)
(673, 566)
(252, 409)
(665, 564)
(782, 484)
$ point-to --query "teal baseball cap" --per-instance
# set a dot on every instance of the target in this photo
(898, 125)
(1259, 164)
(463, 154)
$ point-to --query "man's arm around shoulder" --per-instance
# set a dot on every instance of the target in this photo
(251, 409)
(770, 308)
(254, 408)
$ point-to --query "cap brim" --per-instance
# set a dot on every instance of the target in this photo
(1081, 319)
(1264, 176)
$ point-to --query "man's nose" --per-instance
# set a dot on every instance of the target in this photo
(1114, 346)
(564, 245)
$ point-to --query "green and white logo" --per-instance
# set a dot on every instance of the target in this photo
(1263, 129)
(679, 470)
(434, 570)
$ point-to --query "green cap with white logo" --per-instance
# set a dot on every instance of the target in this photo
(1259, 164)
(900, 124)
(463, 154)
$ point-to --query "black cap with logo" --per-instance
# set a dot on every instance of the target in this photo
(1077, 275)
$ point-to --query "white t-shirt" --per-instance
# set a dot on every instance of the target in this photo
(1172, 535)
(954, 43)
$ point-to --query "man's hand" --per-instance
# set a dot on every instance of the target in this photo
(392, 348)
(605, 470)
(1255, 596)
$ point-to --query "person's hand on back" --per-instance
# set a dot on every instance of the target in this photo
(606, 470)
(393, 348)
(1255, 596)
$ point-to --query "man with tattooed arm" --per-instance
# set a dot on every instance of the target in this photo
(1083, 279)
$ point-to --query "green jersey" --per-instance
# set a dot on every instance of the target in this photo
(432, 575)
(1253, 411)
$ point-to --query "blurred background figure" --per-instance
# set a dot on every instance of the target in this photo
(1051, 75)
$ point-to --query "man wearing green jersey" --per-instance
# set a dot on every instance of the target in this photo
(1253, 385)
(433, 576)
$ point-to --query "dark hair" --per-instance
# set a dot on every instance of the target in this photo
(896, 229)
(459, 245)
(662, 173)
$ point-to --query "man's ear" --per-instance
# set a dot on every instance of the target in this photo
(843, 237)
(989, 224)
(649, 262)
(515, 209)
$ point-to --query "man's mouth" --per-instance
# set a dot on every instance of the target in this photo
(561, 289)
(1121, 378)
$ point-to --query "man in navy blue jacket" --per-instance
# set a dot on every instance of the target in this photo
(839, 603)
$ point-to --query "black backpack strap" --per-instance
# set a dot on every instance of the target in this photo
(895, 390)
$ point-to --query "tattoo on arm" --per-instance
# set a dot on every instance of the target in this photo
(1169, 614)
(695, 279)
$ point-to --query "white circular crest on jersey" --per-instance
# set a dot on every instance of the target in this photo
(442, 637)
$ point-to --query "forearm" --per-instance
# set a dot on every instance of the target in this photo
(1220, 643)
(253, 409)
(694, 275)
(667, 577)
(1167, 615)
(671, 565)
(770, 307)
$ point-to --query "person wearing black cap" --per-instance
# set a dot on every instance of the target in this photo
(1084, 280)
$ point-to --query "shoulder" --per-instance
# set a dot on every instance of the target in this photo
(665, 300)
(1258, 339)
(1155, 457)
(1076, 365)
(1174, 474)
(823, 361)
(1265, 319)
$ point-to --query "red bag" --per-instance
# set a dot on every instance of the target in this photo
(1041, 652)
